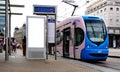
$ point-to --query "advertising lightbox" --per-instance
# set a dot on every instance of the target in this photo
(36, 37)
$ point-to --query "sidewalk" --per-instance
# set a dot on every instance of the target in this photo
(114, 52)
(18, 63)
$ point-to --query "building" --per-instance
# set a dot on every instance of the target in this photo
(109, 10)
(2, 19)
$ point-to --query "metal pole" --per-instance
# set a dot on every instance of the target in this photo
(47, 37)
(74, 41)
(6, 30)
(55, 39)
(9, 40)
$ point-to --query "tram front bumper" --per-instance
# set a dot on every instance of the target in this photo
(94, 54)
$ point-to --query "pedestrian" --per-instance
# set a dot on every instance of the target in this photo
(24, 46)
(14, 46)
(114, 44)
(1, 47)
(4, 48)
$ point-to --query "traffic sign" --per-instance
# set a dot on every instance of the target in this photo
(43, 9)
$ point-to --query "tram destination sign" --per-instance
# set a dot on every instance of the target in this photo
(44, 10)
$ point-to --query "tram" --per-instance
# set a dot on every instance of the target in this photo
(82, 37)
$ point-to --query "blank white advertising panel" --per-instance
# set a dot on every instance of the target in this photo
(36, 37)
(36, 33)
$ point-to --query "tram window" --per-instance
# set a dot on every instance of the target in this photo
(59, 37)
(79, 36)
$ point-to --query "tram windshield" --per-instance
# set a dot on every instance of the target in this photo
(96, 30)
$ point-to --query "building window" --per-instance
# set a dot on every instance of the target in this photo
(105, 3)
(117, 20)
(97, 7)
(91, 10)
(101, 5)
(110, 31)
(97, 12)
(117, 3)
(101, 11)
(117, 9)
(88, 12)
(111, 9)
(111, 20)
(104, 9)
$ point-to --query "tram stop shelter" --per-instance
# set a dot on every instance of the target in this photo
(40, 31)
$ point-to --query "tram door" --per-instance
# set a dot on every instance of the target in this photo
(66, 40)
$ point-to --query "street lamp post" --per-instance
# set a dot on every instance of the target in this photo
(6, 30)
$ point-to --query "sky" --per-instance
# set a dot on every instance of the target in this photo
(63, 10)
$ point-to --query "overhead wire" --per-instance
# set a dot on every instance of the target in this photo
(78, 1)
(79, 6)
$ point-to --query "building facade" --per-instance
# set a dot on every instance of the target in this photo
(109, 10)
(2, 19)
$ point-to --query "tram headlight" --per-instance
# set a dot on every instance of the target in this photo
(106, 47)
(88, 46)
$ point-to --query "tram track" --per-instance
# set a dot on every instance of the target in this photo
(111, 62)
(110, 65)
